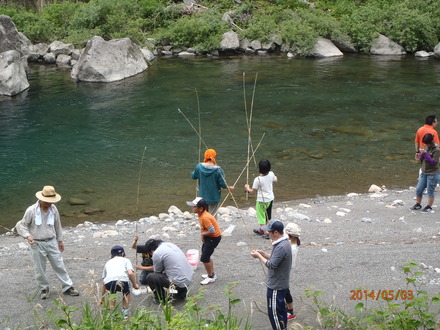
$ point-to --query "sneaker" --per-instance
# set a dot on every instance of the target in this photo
(416, 207)
(208, 280)
(206, 276)
(71, 292)
(291, 316)
(266, 236)
(428, 209)
(258, 231)
(44, 294)
(125, 313)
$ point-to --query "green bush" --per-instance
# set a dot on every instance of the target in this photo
(410, 28)
(203, 32)
(300, 36)
(363, 25)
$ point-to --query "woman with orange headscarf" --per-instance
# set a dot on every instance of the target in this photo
(211, 180)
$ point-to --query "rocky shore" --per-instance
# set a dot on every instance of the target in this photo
(348, 242)
(117, 59)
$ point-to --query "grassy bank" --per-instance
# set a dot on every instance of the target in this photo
(412, 23)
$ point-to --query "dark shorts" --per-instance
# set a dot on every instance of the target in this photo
(208, 248)
(118, 286)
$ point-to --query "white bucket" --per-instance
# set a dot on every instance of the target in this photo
(192, 255)
(135, 292)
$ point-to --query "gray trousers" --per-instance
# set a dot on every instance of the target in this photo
(49, 250)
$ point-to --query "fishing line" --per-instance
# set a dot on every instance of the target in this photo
(137, 203)
(198, 134)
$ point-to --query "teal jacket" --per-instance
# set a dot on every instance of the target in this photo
(211, 180)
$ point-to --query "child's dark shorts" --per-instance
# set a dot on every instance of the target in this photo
(208, 248)
(118, 286)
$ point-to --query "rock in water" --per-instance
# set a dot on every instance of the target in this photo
(13, 79)
(106, 61)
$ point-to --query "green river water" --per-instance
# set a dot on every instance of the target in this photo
(332, 126)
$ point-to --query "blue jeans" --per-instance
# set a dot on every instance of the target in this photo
(428, 181)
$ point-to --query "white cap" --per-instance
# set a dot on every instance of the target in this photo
(194, 202)
(292, 229)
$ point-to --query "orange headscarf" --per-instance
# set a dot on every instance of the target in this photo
(210, 155)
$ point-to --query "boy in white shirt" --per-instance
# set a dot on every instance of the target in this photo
(116, 274)
(263, 186)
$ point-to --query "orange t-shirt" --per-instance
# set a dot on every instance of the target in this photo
(206, 219)
(422, 131)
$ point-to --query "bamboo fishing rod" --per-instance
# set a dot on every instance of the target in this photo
(249, 124)
(235, 202)
(13, 232)
(247, 164)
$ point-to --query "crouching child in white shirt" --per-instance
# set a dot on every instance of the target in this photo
(118, 271)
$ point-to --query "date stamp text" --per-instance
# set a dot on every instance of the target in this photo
(381, 294)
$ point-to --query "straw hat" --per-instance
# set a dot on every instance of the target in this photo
(48, 194)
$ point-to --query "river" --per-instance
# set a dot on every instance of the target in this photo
(330, 126)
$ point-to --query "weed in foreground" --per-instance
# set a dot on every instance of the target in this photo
(417, 309)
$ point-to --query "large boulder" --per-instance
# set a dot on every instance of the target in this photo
(106, 61)
(230, 41)
(13, 79)
(326, 48)
(10, 38)
(385, 46)
(437, 51)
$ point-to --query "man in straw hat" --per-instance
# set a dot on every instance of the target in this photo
(41, 226)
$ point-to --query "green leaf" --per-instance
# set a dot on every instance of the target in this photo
(358, 307)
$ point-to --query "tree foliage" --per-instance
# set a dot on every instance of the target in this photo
(412, 23)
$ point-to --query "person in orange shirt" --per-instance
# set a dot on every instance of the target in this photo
(211, 237)
(429, 127)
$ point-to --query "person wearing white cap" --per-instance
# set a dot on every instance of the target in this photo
(41, 226)
(211, 237)
(293, 231)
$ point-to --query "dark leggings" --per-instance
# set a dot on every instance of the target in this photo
(289, 298)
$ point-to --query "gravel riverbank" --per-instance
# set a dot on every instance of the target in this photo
(348, 242)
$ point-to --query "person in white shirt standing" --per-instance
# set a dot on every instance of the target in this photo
(263, 187)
